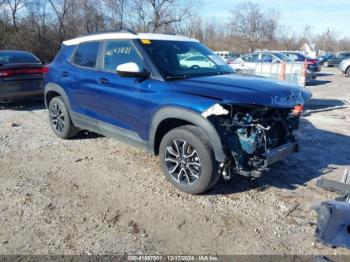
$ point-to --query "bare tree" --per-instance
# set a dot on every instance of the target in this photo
(161, 15)
(61, 9)
(15, 6)
(253, 25)
(41, 26)
(117, 10)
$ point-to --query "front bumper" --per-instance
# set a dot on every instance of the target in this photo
(279, 153)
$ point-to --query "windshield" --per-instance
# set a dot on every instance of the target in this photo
(177, 59)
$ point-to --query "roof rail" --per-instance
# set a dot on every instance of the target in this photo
(110, 32)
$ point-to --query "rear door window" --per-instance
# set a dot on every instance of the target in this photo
(251, 58)
(119, 52)
(86, 54)
(267, 58)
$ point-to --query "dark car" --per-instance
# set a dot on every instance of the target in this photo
(336, 60)
(313, 64)
(323, 59)
(21, 76)
(203, 121)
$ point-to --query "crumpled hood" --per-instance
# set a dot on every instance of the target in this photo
(244, 89)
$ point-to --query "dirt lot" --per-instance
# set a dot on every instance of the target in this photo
(94, 195)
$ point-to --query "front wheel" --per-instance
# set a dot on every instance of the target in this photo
(187, 160)
(348, 71)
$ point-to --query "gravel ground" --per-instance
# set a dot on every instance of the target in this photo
(94, 195)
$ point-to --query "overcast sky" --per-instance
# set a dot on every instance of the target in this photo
(319, 14)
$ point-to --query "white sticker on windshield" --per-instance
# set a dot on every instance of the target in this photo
(217, 60)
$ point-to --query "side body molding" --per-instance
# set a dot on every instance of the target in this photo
(192, 117)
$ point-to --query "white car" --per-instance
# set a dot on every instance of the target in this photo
(196, 62)
(247, 63)
(344, 66)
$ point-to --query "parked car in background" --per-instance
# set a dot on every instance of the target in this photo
(247, 63)
(21, 76)
(203, 122)
(227, 56)
(197, 61)
(344, 66)
(313, 64)
(335, 60)
(323, 59)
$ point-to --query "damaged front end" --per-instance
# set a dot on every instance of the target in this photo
(254, 137)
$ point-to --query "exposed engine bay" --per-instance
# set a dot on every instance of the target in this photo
(255, 137)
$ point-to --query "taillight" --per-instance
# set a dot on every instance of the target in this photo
(46, 69)
(22, 71)
(298, 110)
(312, 61)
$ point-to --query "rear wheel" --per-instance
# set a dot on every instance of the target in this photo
(60, 120)
(187, 160)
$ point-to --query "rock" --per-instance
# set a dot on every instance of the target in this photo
(13, 124)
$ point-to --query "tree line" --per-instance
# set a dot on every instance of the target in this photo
(40, 26)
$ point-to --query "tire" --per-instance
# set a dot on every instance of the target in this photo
(60, 121)
(348, 71)
(194, 171)
(326, 64)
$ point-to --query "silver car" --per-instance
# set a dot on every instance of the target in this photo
(344, 66)
(247, 64)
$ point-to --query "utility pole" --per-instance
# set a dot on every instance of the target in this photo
(121, 14)
(325, 40)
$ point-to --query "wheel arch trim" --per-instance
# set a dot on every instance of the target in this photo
(191, 117)
(58, 89)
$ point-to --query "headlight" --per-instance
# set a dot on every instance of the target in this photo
(295, 97)
(216, 110)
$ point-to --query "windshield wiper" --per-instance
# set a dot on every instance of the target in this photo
(176, 77)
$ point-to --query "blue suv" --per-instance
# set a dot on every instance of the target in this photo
(203, 120)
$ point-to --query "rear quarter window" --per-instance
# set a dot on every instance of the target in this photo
(86, 54)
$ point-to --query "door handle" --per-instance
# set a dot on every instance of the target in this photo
(64, 74)
(103, 81)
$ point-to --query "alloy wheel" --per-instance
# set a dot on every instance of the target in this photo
(183, 162)
(57, 117)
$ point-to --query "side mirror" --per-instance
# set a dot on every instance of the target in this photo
(131, 70)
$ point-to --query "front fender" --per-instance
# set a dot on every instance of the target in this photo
(192, 117)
